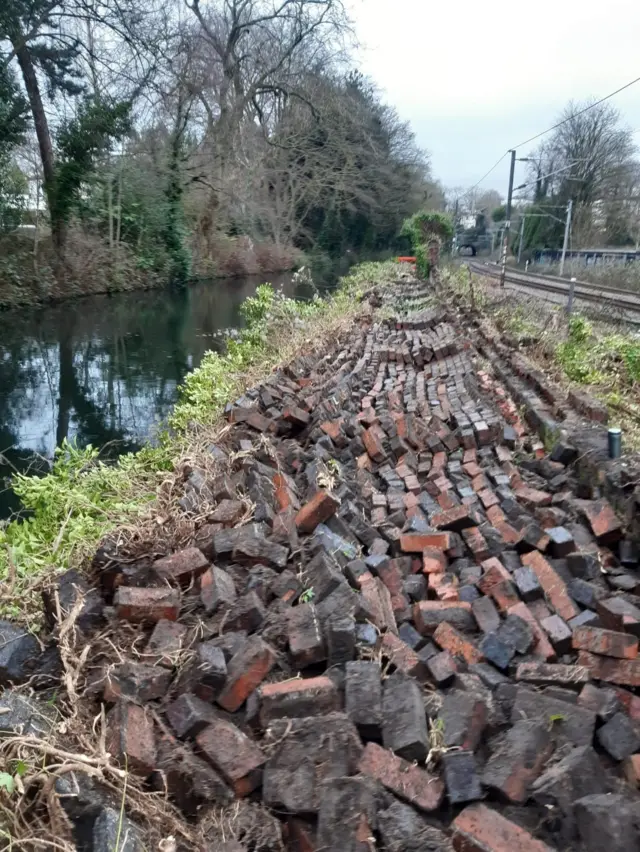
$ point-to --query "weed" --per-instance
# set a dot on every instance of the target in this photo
(307, 596)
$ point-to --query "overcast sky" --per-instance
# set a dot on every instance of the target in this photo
(475, 79)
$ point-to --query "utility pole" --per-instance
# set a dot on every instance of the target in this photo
(524, 216)
(507, 224)
(565, 244)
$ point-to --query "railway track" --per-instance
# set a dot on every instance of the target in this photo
(609, 302)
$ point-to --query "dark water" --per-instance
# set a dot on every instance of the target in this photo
(104, 370)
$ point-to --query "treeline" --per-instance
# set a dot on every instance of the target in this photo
(591, 160)
(147, 140)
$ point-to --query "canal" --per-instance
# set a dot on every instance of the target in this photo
(104, 370)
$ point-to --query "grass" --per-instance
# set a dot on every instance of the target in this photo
(82, 500)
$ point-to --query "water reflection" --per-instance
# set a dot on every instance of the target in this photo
(104, 370)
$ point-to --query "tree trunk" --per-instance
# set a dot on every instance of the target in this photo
(58, 224)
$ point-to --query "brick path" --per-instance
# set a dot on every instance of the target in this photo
(421, 619)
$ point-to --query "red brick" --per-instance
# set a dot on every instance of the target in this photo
(416, 786)
(502, 591)
(318, 510)
(552, 674)
(181, 567)
(446, 503)
(418, 542)
(476, 543)
(469, 456)
(498, 568)
(147, 605)
(481, 829)
(619, 614)
(245, 672)
(434, 561)
(237, 758)
(542, 648)
(622, 672)
(228, 513)
(488, 498)
(332, 428)
(509, 534)
(472, 469)
(602, 520)
(295, 415)
(427, 615)
(552, 584)
(456, 519)
(372, 439)
(299, 697)
(450, 640)
(606, 643)
(495, 514)
(532, 497)
(131, 738)
(479, 483)
(403, 657)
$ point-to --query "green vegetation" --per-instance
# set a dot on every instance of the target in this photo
(73, 507)
(422, 229)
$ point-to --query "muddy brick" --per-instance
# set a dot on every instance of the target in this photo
(69, 587)
(410, 783)
(136, 681)
(558, 632)
(245, 672)
(404, 658)
(518, 759)
(607, 643)
(550, 674)
(182, 567)
(542, 647)
(449, 639)
(249, 546)
(298, 697)
(19, 650)
(217, 589)
(461, 777)
(318, 510)
(347, 815)
(166, 642)
(571, 723)
(463, 716)
(188, 779)
(561, 542)
(619, 737)
(131, 738)
(340, 637)
(481, 829)
(403, 829)
(363, 696)
(237, 758)
(323, 575)
(442, 668)
(377, 600)
(527, 584)
(603, 701)
(305, 753)
(611, 670)
(404, 722)
(620, 615)
(147, 605)
(247, 613)
(486, 614)
(188, 715)
(306, 638)
(427, 615)
(608, 822)
(577, 774)
(554, 587)
(496, 651)
(112, 829)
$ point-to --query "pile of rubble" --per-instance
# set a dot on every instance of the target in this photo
(396, 629)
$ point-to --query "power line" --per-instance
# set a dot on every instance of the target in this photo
(549, 129)
(580, 112)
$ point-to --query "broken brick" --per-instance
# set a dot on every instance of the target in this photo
(410, 783)
(554, 587)
(131, 738)
(404, 658)
(622, 672)
(216, 589)
(450, 640)
(427, 615)
(149, 605)
(237, 758)
(318, 510)
(518, 760)
(607, 643)
(481, 829)
(245, 672)
(603, 521)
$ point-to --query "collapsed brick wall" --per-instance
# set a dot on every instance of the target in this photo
(395, 628)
